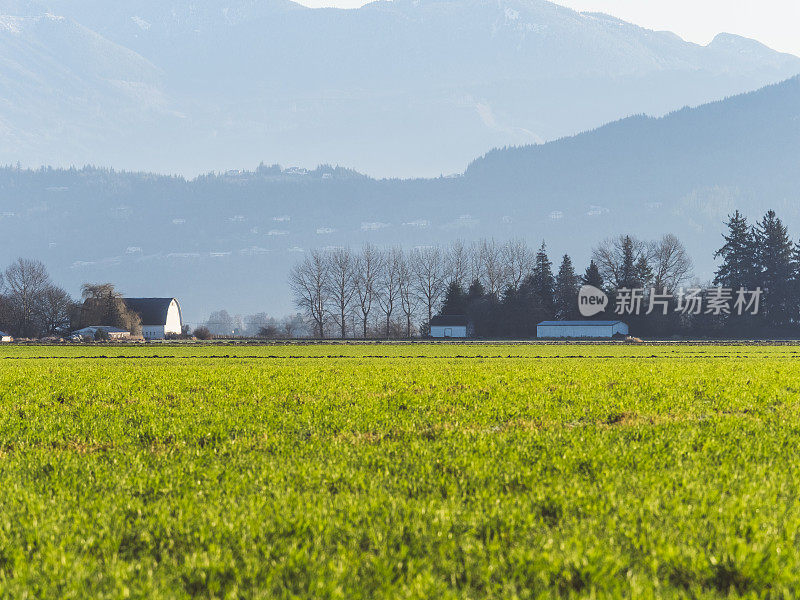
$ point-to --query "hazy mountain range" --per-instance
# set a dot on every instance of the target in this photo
(403, 88)
(228, 240)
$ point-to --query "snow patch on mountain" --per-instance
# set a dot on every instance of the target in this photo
(10, 24)
(141, 23)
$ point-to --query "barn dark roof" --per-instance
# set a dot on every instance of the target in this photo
(152, 310)
(449, 321)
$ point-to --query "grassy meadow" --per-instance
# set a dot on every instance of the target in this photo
(399, 471)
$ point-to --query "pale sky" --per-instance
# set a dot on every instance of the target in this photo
(775, 23)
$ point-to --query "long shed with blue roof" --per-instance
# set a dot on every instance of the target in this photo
(580, 329)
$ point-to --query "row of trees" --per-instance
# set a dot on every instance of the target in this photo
(763, 256)
(384, 291)
(31, 305)
(506, 288)
(221, 323)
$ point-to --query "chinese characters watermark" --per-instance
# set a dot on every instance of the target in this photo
(714, 301)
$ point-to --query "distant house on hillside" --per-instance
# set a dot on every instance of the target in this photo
(580, 329)
(160, 316)
(4, 337)
(451, 326)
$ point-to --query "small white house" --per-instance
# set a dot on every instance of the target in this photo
(580, 329)
(451, 326)
(4, 337)
(160, 316)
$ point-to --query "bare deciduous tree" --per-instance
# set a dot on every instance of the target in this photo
(56, 310)
(672, 265)
(342, 288)
(518, 261)
(494, 271)
(457, 264)
(309, 283)
(609, 256)
(389, 285)
(409, 300)
(292, 325)
(221, 324)
(427, 266)
(369, 264)
(26, 281)
(477, 268)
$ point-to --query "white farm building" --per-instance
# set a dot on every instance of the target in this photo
(160, 316)
(114, 333)
(580, 329)
(451, 326)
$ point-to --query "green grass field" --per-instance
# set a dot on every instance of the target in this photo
(385, 471)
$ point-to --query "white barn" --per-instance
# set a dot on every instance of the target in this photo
(580, 329)
(4, 337)
(451, 326)
(160, 316)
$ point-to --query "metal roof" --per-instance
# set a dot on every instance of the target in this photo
(579, 323)
(153, 311)
(93, 328)
(449, 320)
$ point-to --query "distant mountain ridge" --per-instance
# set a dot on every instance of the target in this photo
(404, 88)
(228, 239)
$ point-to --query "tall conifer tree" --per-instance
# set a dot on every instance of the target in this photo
(739, 255)
(566, 290)
(592, 276)
(776, 267)
(455, 300)
(542, 283)
(628, 278)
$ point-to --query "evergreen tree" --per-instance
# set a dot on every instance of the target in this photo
(795, 284)
(627, 277)
(455, 300)
(592, 276)
(476, 291)
(776, 266)
(541, 283)
(519, 313)
(643, 273)
(566, 290)
(739, 255)
(482, 310)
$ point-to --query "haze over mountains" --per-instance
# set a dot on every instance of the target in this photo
(405, 88)
(229, 240)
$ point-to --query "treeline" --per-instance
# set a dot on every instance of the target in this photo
(762, 256)
(505, 289)
(221, 324)
(32, 306)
